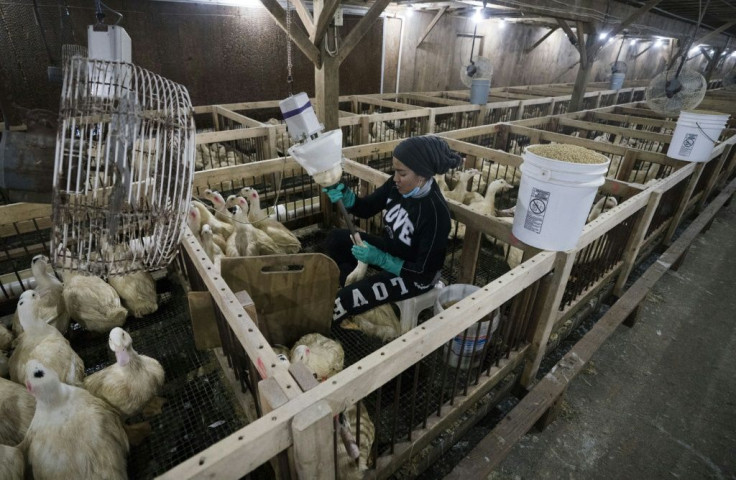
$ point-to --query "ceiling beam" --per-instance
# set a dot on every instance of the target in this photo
(568, 31)
(536, 9)
(713, 33)
(297, 35)
(357, 33)
(431, 25)
(324, 20)
(539, 42)
(631, 19)
(304, 15)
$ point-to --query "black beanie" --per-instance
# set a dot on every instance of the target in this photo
(427, 155)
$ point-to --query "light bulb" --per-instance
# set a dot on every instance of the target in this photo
(633, 41)
(602, 36)
(478, 16)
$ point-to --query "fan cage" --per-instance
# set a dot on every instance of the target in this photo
(123, 168)
(689, 96)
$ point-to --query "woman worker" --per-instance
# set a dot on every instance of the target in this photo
(411, 250)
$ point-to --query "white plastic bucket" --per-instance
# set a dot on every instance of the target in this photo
(617, 80)
(467, 352)
(696, 134)
(554, 200)
(479, 91)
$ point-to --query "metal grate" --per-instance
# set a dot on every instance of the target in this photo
(199, 410)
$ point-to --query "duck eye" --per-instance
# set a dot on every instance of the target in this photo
(38, 374)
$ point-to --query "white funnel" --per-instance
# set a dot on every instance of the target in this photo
(321, 157)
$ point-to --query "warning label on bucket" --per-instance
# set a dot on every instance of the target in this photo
(537, 208)
(687, 144)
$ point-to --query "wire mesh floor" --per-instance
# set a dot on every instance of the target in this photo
(200, 409)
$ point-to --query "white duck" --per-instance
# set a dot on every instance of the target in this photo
(257, 213)
(137, 290)
(12, 463)
(42, 342)
(460, 189)
(6, 337)
(347, 467)
(605, 203)
(194, 221)
(323, 356)
(214, 252)
(218, 203)
(130, 383)
(282, 236)
(51, 307)
(258, 242)
(17, 407)
(218, 226)
(93, 303)
(73, 434)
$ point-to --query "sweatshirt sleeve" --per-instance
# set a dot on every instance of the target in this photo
(370, 205)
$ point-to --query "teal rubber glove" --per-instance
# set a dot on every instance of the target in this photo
(340, 192)
(369, 254)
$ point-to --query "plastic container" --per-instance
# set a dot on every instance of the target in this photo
(321, 157)
(301, 121)
(476, 336)
(696, 135)
(554, 200)
(617, 80)
(479, 90)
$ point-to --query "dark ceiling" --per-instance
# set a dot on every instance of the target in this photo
(717, 13)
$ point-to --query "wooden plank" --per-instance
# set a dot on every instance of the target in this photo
(491, 451)
(469, 255)
(435, 100)
(240, 322)
(710, 185)
(314, 454)
(304, 16)
(236, 117)
(256, 443)
(386, 103)
(611, 218)
(16, 212)
(324, 12)
(300, 38)
(204, 324)
(631, 19)
(686, 196)
(432, 24)
(635, 242)
(227, 135)
(549, 299)
(359, 31)
(271, 396)
(386, 465)
(628, 132)
(652, 122)
(541, 40)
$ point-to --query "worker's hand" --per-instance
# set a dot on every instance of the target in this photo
(371, 255)
(340, 192)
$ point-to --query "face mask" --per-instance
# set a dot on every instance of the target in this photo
(412, 193)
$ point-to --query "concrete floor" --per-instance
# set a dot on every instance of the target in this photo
(657, 401)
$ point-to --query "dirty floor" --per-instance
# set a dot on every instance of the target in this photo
(658, 401)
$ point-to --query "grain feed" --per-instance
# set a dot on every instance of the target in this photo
(567, 153)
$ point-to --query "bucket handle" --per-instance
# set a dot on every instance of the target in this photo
(715, 142)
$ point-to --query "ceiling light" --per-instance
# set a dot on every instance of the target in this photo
(733, 54)
(478, 16)
(502, 23)
(602, 36)
(658, 43)
(632, 42)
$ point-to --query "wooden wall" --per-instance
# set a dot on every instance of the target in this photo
(222, 54)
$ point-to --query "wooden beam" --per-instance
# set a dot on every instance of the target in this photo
(537, 8)
(298, 36)
(304, 15)
(713, 33)
(325, 17)
(491, 451)
(584, 60)
(357, 33)
(314, 456)
(568, 31)
(541, 40)
(431, 25)
(631, 19)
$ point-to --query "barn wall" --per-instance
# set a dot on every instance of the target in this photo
(435, 64)
(220, 53)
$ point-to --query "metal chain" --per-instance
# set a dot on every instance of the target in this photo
(289, 77)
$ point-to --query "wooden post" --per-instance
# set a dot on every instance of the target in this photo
(272, 150)
(714, 177)
(683, 204)
(431, 127)
(635, 241)
(314, 453)
(271, 397)
(469, 255)
(626, 165)
(327, 90)
(549, 302)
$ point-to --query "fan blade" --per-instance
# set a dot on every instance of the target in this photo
(672, 87)
(471, 70)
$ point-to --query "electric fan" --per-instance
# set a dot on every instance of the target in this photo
(123, 168)
(479, 68)
(675, 90)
